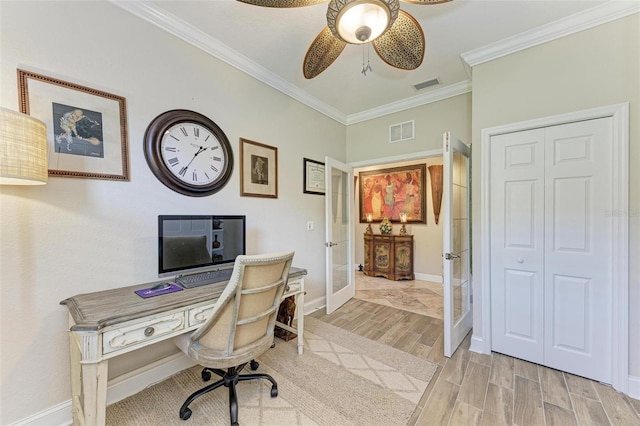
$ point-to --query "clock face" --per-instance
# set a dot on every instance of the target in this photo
(193, 153)
(188, 153)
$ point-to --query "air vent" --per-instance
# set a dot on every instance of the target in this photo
(426, 84)
(401, 131)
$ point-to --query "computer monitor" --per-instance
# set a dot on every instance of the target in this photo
(196, 243)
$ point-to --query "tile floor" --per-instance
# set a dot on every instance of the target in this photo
(471, 388)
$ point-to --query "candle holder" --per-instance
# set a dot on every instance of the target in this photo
(369, 220)
(403, 220)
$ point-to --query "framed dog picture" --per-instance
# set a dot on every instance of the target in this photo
(86, 128)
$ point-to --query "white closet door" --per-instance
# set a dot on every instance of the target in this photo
(517, 244)
(551, 246)
(578, 253)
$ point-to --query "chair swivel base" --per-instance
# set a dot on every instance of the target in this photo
(230, 378)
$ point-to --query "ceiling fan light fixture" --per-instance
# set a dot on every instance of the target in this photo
(361, 21)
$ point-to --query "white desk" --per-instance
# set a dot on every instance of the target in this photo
(110, 323)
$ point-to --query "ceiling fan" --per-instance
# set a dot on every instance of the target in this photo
(396, 36)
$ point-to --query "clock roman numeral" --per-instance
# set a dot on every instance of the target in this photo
(175, 138)
(183, 171)
(208, 136)
(215, 147)
(173, 161)
(170, 149)
(214, 168)
(195, 176)
(207, 176)
(184, 131)
(196, 132)
(217, 158)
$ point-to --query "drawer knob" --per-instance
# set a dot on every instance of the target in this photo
(149, 331)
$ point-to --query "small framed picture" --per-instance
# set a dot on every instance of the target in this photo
(313, 177)
(86, 128)
(258, 169)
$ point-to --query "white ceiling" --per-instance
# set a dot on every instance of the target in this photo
(270, 44)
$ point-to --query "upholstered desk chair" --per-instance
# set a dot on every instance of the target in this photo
(240, 328)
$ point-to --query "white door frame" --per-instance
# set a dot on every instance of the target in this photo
(620, 247)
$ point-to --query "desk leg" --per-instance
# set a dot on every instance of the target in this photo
(300, 321)
(94, 379)
(76, 379)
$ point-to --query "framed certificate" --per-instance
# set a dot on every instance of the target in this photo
(313, 177)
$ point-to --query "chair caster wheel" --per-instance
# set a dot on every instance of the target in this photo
(184, 415)
(274, 391)
(254, 365)
(206, 375)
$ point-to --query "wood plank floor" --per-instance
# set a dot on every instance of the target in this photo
(471, 388)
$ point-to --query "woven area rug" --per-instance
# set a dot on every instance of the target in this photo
(341, 379)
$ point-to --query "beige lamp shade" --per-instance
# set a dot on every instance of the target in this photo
(23, 149)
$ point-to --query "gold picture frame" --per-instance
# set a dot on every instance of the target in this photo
(86, 128)
(258, 169)
(389, 192)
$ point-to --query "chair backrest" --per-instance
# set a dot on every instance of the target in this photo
(243, 319)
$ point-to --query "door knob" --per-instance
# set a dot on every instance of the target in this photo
(449, 256)
(520, 260)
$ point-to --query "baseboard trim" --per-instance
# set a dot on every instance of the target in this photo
(429, 277)
(59, 414)
(118, 389)
(137, 380)
(477, 344)
(634, 387)
(315, 304)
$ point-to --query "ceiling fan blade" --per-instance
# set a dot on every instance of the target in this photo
(426, 1)
(403, 45)
(323, 51)
(282, 3)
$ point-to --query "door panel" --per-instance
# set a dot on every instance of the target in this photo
(519, 306)
(517, 244)
(456, 245)
(578, 257)
(340, 273)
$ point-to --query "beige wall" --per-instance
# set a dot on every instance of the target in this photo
(80, 235)
(592, 68)
(368, 142)
(369, 139)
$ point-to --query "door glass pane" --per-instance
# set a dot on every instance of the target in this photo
(340, 228)
(460, 278)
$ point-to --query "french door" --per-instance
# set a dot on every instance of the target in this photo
(456, 242)
(340, 272)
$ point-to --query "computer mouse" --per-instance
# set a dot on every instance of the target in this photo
(160, 286)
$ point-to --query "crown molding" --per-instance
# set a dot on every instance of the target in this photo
(606, 12)
(598, 15)
(188, 33)
(412, 102)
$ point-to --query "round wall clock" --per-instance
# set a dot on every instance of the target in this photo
(188, 152)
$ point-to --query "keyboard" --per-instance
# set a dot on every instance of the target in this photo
(204, 278)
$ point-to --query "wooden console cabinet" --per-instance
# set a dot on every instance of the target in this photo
(389, 256)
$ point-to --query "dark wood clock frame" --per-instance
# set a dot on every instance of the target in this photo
(153, 152)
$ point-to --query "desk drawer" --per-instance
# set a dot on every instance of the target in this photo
(199, 315)
(124, 337)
